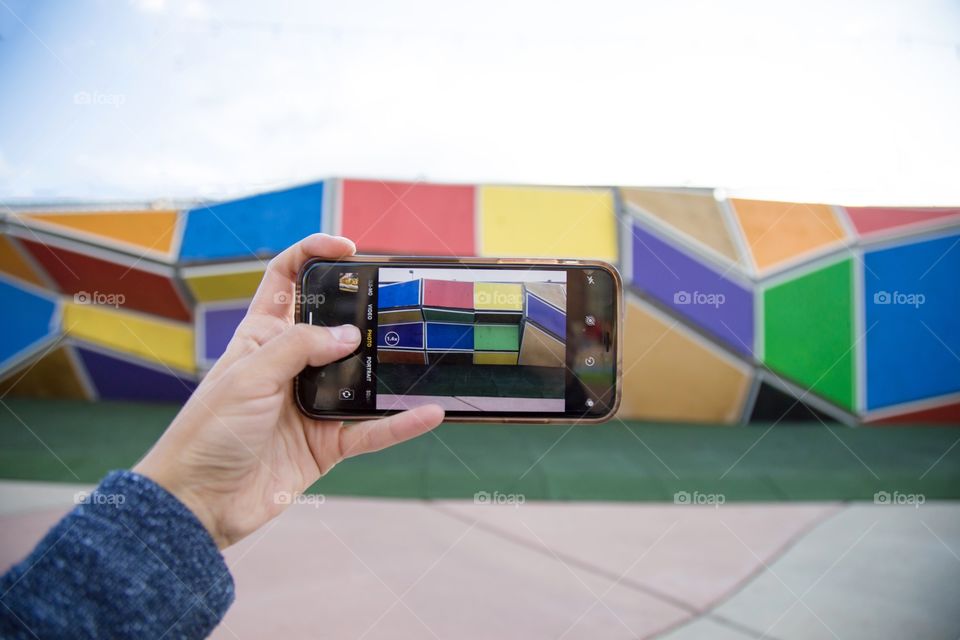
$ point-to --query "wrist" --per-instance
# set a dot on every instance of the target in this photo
(189, 498)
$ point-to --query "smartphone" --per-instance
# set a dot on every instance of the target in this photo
(490, 340)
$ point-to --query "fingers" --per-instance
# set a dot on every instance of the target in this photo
(281, 359)
(374, 435)
(275, 294)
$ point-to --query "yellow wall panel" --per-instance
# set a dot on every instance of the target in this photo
(224, 286)
(696, 215)
(671, 376)
(555, 294)
(53, 376)
(495, 357)
(13, 262)
(152, 230)
(490, 296)
(542, 222)
(166, 342)
(779, 231)
(540, 349)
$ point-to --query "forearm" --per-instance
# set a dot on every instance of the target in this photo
(132, 561)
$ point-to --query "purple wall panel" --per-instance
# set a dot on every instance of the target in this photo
(117, 379)
(701, 294)
(547, 316)
(218, 328)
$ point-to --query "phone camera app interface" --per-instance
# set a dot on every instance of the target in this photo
(473, 340)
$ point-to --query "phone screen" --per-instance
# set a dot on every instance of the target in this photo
(480, 340)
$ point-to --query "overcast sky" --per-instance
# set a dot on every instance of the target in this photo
(854, 101)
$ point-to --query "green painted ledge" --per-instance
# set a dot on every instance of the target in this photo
(616, 461)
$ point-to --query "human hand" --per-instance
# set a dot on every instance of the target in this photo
(240, 440)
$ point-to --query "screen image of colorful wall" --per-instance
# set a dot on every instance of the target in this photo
(471, 339)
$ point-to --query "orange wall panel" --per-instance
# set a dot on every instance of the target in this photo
(13, 262)
(780, 231)
(147, 230)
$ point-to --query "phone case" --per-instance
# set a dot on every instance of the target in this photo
(524, 262)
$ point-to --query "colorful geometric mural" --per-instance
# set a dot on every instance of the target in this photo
(424, 320)
(738, 310)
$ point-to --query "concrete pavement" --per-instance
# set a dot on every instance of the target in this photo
(374, 568)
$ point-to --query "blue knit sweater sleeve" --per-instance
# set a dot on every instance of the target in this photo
(130, 561)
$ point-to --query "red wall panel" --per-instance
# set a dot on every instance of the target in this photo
(76, 272)
(447, 293)
(869, 220)
(409, 218)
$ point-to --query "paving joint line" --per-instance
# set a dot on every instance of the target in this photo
(710, 611)
(572, 560)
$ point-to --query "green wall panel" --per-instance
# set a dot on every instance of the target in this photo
(444, 315)
(808, 331)
(496, 337)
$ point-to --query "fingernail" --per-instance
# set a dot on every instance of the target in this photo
(346, 333)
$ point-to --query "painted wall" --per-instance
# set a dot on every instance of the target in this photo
(738, 310)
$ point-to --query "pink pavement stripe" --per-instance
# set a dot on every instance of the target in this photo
(470, 403)
(556, 405)
(388, 402)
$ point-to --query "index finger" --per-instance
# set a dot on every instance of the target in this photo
(374, 435)
(274, 296)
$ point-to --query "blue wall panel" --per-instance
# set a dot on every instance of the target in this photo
(400, 336)
(912, 313)
(260, 225)
(27, 319)
(398, 294)
(449, 336)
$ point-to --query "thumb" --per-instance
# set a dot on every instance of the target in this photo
(283, 357)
